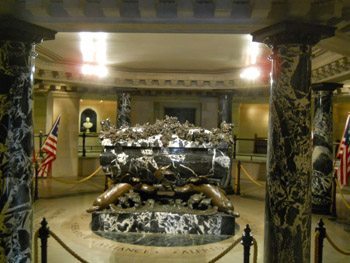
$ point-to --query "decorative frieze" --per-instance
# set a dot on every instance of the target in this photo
(335, 69)
(145, 80)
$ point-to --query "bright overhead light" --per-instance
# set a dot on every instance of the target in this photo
(97, 70)
(250, 73)
(93, 48)
(254, 52)
(101, 70)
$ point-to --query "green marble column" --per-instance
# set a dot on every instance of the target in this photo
(225, 108)
(288, 182)
(124, 109)
(322, 154)
(17, 41)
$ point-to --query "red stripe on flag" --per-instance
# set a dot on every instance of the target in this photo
(49, 147)
(344, 155)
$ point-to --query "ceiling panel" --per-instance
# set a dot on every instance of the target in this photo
(162, 52)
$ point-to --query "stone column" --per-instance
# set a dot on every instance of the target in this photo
(225, 108)
(322, 155)
(124, 109)
(288, 184)
(17, 41)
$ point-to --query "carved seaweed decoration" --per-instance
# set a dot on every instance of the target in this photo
(166, 162)
(167, 133)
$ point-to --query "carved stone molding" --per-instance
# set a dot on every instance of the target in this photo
(70, 75)
(338, 69)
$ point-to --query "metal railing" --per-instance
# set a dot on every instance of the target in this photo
(84, 148)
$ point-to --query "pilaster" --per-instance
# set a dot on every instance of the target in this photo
(65, 104)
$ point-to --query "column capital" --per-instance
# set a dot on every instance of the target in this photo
(326, 86)
(291, 32)
(18, 30)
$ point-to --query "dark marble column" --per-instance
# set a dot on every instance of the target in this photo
(17, 40)
(124, 109)
(225, 108)
(288, 183)
(322, 155)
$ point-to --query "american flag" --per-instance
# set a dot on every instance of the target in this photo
(343, 155)
(49, 148)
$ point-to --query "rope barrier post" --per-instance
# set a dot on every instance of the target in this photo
(237, 189)
(234, 146)
(40, 143)
(334, 197)
(247, 242)
(84, 150)
(44, 234)
(36, 186)
(319, 246)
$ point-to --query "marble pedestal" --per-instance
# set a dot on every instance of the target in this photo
(162, 228)
(163, 222)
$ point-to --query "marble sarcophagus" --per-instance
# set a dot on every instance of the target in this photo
(166, 178)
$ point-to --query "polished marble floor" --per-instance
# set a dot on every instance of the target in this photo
(64, 208)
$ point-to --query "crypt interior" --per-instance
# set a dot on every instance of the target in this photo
(278, 70)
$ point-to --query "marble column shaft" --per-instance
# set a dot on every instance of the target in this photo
(124, 109)
(322, 155)
(15, 150)
(288, 187)
(17, 40)
(225, 108)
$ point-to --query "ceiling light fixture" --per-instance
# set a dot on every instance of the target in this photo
(93, 50)
(250, 73)
(254, 52)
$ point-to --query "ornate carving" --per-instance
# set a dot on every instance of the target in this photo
(331, 70)
(167, 162)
